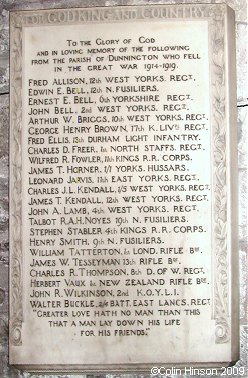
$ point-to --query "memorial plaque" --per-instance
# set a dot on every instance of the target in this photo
(123, 189)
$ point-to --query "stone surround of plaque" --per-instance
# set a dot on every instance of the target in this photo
(123, 204)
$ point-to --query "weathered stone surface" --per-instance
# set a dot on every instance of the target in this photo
(243, 285)
(242, 163)
(4, 291)
(4, 51)
(4, 130)
(240, 6)
(241, 57)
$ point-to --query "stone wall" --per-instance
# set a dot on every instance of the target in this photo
(240, 7)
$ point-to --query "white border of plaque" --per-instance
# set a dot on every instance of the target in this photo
(220, 20)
